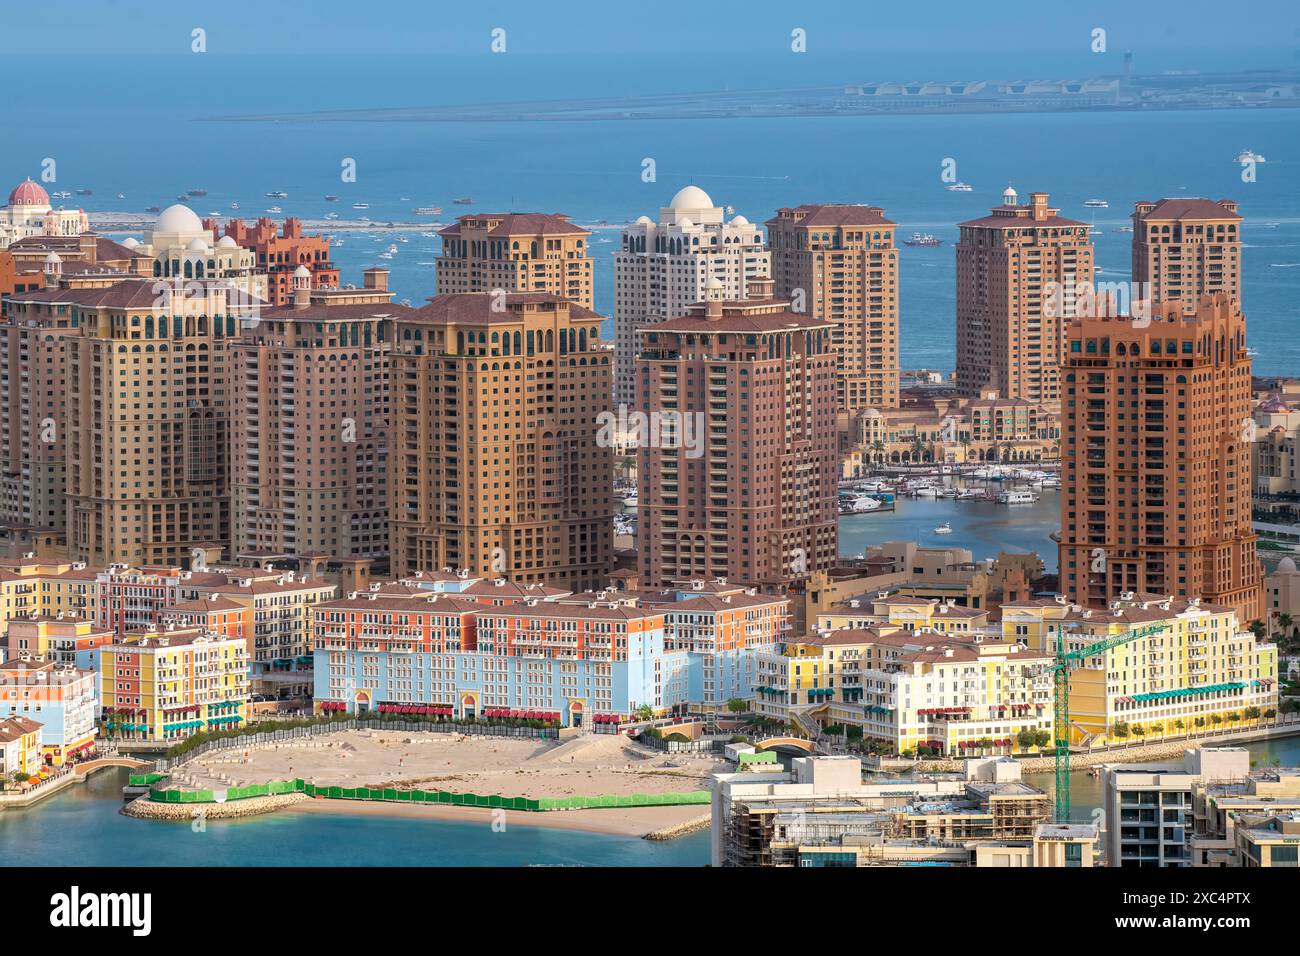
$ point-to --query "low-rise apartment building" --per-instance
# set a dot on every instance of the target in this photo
(164, 685)
(60, 697)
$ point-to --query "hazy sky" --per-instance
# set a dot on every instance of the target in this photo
(612, 26)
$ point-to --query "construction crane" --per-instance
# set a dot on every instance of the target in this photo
(1061, 699)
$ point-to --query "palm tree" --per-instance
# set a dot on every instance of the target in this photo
(878, 447)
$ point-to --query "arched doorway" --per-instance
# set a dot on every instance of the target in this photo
(469, 706)
(576, 709)
(362, 702)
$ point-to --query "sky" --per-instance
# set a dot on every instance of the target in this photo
(594, 27)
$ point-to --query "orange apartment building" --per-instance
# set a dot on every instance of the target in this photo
(495, 466)
(280, 254)
(1186, 248)
(842, 262)
(1155, 470)
(746, 489)
(1018, 271)
(309, 449)
(516, 252)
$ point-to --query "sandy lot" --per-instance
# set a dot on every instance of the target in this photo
(590, 765)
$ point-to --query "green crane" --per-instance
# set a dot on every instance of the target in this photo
(1061, 699)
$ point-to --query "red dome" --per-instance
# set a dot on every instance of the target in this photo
(28, 193)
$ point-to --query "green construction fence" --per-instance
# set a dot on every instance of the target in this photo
(491, 801)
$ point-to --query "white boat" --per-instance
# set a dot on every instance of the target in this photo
(234, 205)
(361, 205)
(1249, 156)
(944, 528)
(275, 209)
(630, 503)
(1017, 496)
(857, 504)
(925, 491)
(1051, 481)
(121, 195)
(331, 215)
(277, 194)
(1096, 204)
(959, 188)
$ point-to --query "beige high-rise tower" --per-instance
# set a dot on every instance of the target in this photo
(495, 464)
(739, 480)
(1186, 248)
(1019, 270)
(839, 264)
(516, 252)
(309, 448)
(148, 396)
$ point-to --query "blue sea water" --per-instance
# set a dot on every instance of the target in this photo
(109, 137)
(83, 827)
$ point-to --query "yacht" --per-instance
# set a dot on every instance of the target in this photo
(926, 239)
(361, 205)
(631, 502)
(275, 209)
(331, 198)
(121, 195)
(959, 188)
(1096, 204)
(85, 192)
(1249, 156)
(331, 215)
(277, 194)
(427, 210)
(464, 201)
(857, 504)
(234, 205)
(63, 195)
(944, 528)
(196, 193)
(1016, 497)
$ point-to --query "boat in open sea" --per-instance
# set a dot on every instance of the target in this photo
(959, 188)
(1096, 204)
(923, 239)
(464, 201)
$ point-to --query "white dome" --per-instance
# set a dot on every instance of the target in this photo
(685, 222)
(740, 221)
(691, 197)
(713, 284)
(302, 272)
(1286, 565)
(197, 245)
(130, 242)
(178, 218)
(1009, 196)
(53, 259)
(227, 242)
(644, 221)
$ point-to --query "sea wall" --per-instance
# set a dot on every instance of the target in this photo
(148, 809)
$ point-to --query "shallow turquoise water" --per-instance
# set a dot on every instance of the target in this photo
(82, 827)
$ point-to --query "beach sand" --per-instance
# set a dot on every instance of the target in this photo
(632, 821)
(586, 765)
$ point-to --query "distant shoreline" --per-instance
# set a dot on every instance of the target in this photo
(104, 222)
